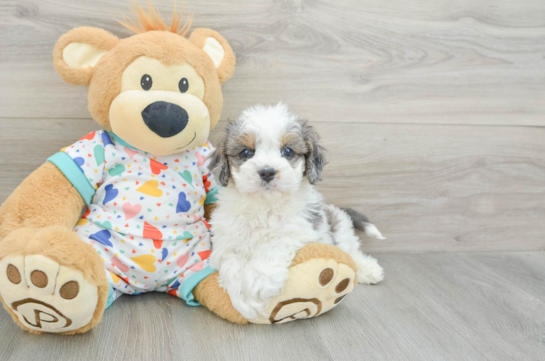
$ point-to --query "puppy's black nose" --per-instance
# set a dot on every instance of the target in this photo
(165, 119)
(267, 174)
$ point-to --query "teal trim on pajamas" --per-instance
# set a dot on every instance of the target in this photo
(121, 141)
(111, 298)
(186, 289)
(211, 196)
(75, 175)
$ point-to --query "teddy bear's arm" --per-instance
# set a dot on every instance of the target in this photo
(45, 198)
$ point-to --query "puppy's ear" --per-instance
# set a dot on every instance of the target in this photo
(78, 51)
(219, 163)
(315, 159)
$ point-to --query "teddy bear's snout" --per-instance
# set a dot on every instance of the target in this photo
(165, 119)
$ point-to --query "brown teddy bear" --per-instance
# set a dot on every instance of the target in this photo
(123, 210)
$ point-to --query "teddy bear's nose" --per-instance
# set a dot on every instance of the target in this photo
(165, 119)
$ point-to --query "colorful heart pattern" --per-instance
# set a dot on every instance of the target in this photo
(131, 210)
(130, 152)
(117, 263)
(102, 237)
(146, 217)
(79, 161)
(89, 136)
(183, 204)
(156, 167)
(117, 170)
(111, 193)
(200, 159)
(151, 232)
(99, 155)
(150, 188)
(186, 175)
(146, 262)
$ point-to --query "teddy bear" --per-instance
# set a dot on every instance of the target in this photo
(123, 211)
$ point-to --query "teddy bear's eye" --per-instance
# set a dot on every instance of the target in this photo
(146, 82)
(183, 85)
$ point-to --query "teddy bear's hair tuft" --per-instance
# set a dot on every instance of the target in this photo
(151, 20)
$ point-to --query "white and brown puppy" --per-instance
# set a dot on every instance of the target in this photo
(268, 209)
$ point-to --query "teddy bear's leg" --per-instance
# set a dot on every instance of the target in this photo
(320, 277)
(209, 293)
(51, 281)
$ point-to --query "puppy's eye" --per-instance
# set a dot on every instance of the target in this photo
(183, 85)
(146, 82)
(287, 152)
(247, 153)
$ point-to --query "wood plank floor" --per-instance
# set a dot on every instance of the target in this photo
(476, 306)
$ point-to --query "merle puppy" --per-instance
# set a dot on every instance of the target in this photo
(268, 162)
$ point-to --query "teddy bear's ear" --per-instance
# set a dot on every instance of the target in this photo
(217, 49)
(78, 51)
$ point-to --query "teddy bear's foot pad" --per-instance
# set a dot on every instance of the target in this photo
(46, 296)
(314, 287)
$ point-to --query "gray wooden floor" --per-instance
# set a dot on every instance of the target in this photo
(478, 306)
(434, 116)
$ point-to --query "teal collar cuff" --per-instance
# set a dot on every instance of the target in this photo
(121, 141)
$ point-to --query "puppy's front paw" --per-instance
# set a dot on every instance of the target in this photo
(314, 287)
(249, 308)
(254, 290)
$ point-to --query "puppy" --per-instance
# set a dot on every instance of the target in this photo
(268, 162)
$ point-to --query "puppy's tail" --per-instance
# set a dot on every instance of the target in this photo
(362, 223)
(343, 220)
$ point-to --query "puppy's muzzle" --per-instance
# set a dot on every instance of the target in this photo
(165, 119)
(267, 174)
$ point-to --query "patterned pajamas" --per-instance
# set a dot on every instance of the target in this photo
(144, 215)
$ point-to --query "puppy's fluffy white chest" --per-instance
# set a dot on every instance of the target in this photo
(256, 227)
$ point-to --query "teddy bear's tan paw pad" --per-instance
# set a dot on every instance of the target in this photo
(46, 296)
(313, 288)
